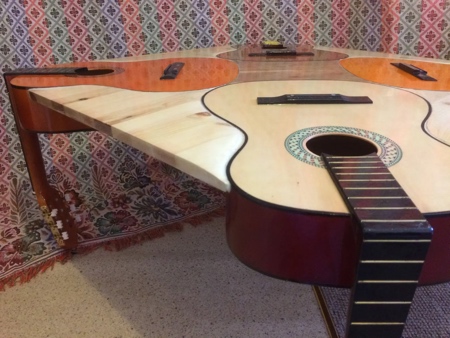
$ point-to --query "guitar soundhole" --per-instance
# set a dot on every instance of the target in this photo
(93, 72)
(340, 145)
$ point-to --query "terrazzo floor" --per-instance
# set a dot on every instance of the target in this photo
(186, 284)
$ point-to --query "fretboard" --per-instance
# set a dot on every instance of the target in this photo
(374, 196)
(395, 241)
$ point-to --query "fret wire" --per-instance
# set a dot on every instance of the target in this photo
(391, 262)
(354, 162)
(385, 208)
(369, 180)
(380, 197)
(385, 173)
(368, 281)
(358, 167)
(397, 240)
(377, 323)
(375, 188)
(381, 302)
(392, 221)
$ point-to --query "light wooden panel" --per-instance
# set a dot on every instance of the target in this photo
(266, 170)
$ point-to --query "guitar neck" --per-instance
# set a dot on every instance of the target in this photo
(395, 241)
(374, 196)
(57, 214)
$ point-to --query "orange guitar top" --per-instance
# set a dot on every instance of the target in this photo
(380, 70)
(197, 73)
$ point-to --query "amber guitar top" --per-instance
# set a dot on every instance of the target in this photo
(197, 73)
(381, 70)
(280, 164)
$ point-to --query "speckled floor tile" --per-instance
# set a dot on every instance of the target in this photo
(187, 284)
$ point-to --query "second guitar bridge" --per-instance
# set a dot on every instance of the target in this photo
(414, 71)
(313, 99)
(172, 71)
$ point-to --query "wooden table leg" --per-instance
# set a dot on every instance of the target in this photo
(32, 119)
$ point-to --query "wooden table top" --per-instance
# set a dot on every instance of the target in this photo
(198, 131)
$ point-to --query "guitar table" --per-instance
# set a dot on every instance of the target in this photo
(336, 162)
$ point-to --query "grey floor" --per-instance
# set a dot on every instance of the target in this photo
(186, 284)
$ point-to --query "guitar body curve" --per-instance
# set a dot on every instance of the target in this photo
(290, 244)
(285, 216)
(313, 248)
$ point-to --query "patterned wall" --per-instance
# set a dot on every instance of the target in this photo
(117, 189)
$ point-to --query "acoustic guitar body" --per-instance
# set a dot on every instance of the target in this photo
(285, 215)
(313, 248)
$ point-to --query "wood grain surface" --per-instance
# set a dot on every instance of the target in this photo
(267, 171)
(176, 127)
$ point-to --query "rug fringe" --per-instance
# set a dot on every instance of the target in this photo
(117, 244)
(25, 275)
(197, 220)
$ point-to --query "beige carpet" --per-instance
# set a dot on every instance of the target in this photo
(429, 315)
(186, 284)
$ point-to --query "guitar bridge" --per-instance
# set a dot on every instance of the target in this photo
(313, 99)
(172, 71)
(414, 71)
